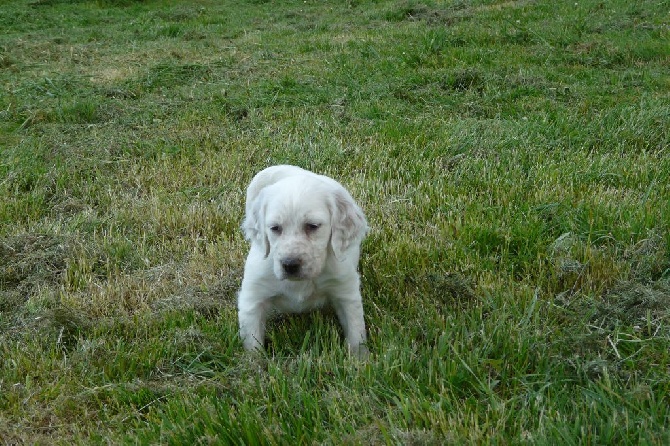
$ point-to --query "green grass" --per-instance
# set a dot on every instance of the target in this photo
(511, 157)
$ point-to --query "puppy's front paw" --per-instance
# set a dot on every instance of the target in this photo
(251, 331)
(360, 351)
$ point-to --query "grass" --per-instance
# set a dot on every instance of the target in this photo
(511, 157)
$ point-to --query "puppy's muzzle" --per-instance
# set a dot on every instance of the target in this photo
(291, 267)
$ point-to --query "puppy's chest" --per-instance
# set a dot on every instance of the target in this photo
(296, 297)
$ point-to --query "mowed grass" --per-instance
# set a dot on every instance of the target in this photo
(512, 158)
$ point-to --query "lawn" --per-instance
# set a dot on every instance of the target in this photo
(512, 158)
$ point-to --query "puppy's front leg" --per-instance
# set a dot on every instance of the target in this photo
(349, 311)
(252, 319)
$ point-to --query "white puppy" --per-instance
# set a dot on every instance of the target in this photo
(305, 232)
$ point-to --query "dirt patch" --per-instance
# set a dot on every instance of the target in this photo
(417, 11)
(645, 307)
(112, 75)
(649, 258)
(29, 264)
(413, 11)
(28, 261)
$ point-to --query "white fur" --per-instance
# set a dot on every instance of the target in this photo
(305, 232)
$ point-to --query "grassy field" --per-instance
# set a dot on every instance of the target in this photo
(512, 157)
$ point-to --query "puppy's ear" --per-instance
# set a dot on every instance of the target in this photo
(348, 222)
(254, 222)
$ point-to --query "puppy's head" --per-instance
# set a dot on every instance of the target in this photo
(300, 220)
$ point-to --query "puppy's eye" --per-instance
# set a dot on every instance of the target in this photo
(311, 227)
(276, 229)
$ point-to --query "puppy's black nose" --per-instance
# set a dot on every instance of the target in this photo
(291, 265)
